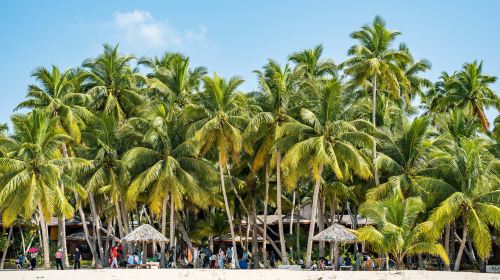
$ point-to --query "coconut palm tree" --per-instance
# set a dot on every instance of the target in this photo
(326, 141)
(31, 176)
(376, 65)
(404, 160)
(165, 165)
(311, 63)
(470, 193)
(57, 96)
(279, 87)
(103, 146)
(172, 78)
(470, 90)
(218, 125)
(112, 83)
(396, 231)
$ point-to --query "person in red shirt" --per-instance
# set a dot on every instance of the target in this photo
(114, 257)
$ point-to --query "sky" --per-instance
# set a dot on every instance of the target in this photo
(235, 37)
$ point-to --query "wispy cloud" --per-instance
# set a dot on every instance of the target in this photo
(140, 30)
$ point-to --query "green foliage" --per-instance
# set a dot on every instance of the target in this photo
(134, 139)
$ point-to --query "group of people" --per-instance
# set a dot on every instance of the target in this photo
(360, 260)
(206, 259)
(77, 258)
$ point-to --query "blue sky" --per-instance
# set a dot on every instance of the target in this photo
(234, 37)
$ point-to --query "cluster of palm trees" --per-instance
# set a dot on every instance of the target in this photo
(115, 146)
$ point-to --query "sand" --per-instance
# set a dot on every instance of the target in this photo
(204, 274)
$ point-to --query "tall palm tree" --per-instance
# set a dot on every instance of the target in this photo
(103, 146)
(311, 63)
(279, 87)
(172, 78)
(471, 193)
(218, 126)
(404, 161)
(30, 178)
(326, 140)
(165, 165)
(470, 90)
(57, 96)
(377, 66)
(416, 83)
(396, 231)
(112, 83)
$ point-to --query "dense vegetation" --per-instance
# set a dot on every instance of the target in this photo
(195, 155)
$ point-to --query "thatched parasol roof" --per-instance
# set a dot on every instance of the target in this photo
(337, 233)
(145, 233)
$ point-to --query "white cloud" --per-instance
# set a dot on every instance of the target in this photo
(140, 30)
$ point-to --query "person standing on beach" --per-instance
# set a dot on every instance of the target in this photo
(229, 255)
(59, 255)
(221, 259)
(114, 257)
(76, 259)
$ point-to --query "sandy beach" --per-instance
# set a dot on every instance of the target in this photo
(203, 274)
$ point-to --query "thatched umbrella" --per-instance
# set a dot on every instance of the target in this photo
(336, 234)
(145, 234)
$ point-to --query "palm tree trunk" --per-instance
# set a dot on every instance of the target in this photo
(62, 220)
(45, 238)
(97, 226)
(333, 210)
(255, 243)
(106, 249)
(124, 212)
(321, 223)
(471, 251)
(447, 244)
(278, 210)
(22, 240)
(185, 235)
(266, 199)
(297, 227)
(462, 247)
(228, 211)
(172, 221)
(314, 211)
(163, 228)
(6, 248)
(293, 208)
(119, 219)
(90, 242)
(374, 122)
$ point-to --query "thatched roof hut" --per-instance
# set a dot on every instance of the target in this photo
(336, 233)
(145, 233)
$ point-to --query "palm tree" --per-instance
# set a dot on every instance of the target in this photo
(396, 231)
(103, 144)
(165, 165)
(404, 160)
(112, 83)
(470, 193)
(56, 95)
(172, 78)
(470, 90)
(412, 69)
(279, 87)
(377, 66)
(30, 178)
(310, 62)
(326, 140)
(217, 127)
